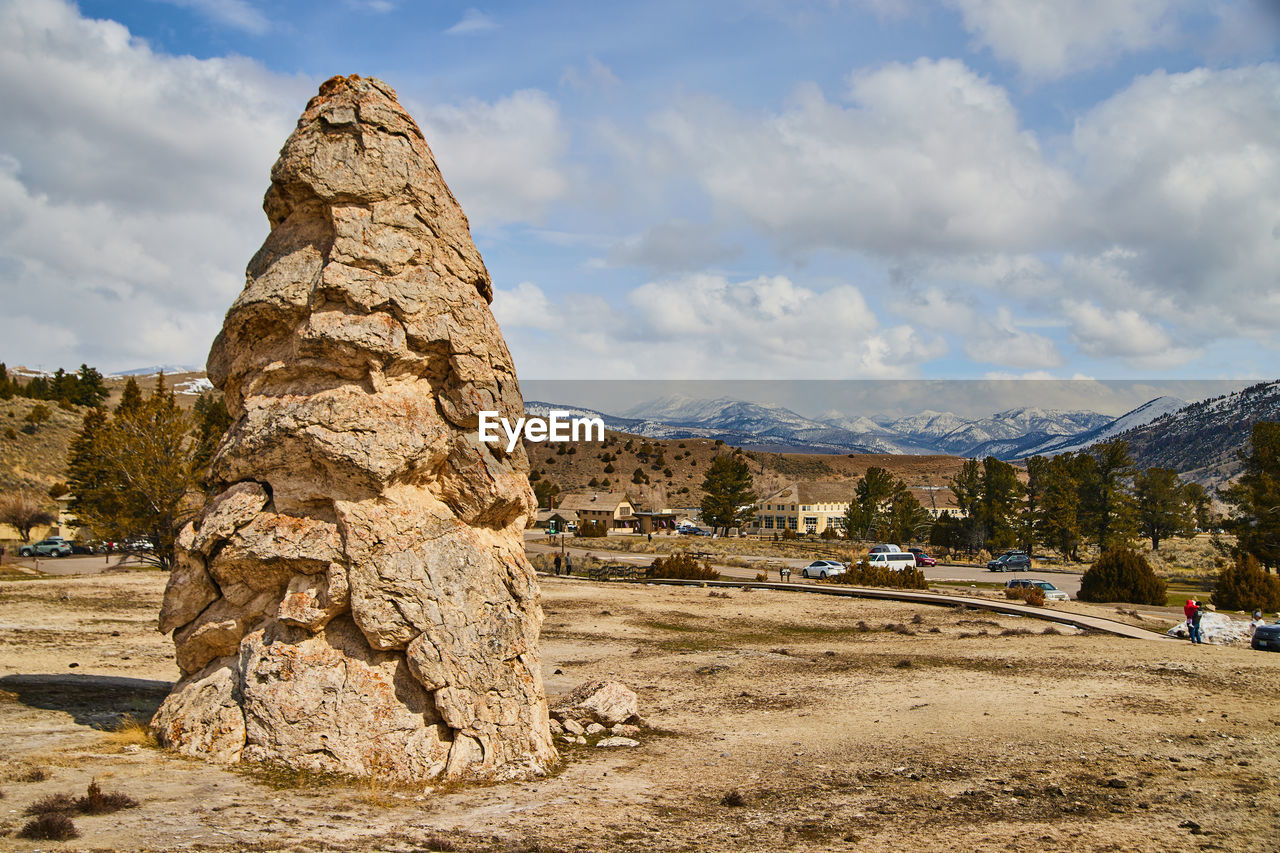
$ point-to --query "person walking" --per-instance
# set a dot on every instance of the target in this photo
(556, 562)
(568, 564)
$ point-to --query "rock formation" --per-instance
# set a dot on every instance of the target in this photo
(355, 598)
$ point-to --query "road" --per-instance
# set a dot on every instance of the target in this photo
(77, 565)
(1068, 582)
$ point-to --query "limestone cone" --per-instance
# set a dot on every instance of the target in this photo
(356, 597)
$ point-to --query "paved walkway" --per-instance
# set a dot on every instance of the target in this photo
(1077, 620)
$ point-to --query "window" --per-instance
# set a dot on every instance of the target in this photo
(768, 522)
(791, 522)
(810, 524)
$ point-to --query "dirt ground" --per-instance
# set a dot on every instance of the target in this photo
(778, 721)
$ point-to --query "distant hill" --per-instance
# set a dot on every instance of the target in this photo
(1203, 441)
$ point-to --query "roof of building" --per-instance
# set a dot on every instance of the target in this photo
(808, 492)
(564, 514)
(596, 501)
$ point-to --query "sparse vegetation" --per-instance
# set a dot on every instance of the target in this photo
(864, 574)
(1032, 595)
(683, 567)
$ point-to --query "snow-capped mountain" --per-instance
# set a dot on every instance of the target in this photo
(1202, 441)
(1010, 433)
(1141, 416)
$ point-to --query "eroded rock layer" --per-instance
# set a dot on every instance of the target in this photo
(356, 598)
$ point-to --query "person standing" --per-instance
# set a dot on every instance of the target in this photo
(1192, 612)
(568, 564)
(1256, 621)
(556, 562)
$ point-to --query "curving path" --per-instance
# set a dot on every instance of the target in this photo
(1077, 620)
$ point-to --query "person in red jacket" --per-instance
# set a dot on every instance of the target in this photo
(1192, 611)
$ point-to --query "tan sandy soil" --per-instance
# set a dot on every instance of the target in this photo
(961, 732)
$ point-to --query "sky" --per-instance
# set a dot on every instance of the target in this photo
(810, 189)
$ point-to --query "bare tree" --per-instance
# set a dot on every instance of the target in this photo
(24, 511)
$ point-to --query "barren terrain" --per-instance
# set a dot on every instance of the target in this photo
(836, 724)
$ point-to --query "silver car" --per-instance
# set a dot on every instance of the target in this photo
(823, 569)
(1051, 592)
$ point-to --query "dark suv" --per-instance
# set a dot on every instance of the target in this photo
(1013, 561)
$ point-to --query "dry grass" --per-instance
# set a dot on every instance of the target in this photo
(130, 731)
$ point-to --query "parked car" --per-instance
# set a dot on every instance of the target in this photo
(1266, 638)
(1051, 592)
(87, 547)
(54, 546)
(886, 549)
(922, 559)
(823, 569)
(1013, 561)
(140, 544)
(892, 559)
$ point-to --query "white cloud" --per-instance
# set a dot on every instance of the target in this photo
(1047, 39)
(1002, 340)
(710, 327)
(503, 160)
(238, 14)
(1125, 334)
(1181, 195)
(473, 21)
(130, 187)
(524, 306)
(928, 157)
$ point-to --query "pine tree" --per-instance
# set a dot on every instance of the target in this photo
(134, 474)
(866, 514)
(1256, 497)
(1162, 509)
(727, 489)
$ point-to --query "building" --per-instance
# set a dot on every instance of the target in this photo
(806, 506)
(810, 506)
(614, 509)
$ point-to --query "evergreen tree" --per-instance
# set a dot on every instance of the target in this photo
(90, 390)
(134, 474)
(906, 520)
(1106, 503)
(727, 489)
(1058, 518)
(865, 516)
(1162, 509)
(1256, 498)
(130, 398)
(1000, 496)
(212, 422)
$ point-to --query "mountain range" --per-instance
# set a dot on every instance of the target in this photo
(1200, 440)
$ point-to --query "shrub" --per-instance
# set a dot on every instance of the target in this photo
(1032, 595)
(864, 574)
(733, 799)
(1121, 574)
(684, 567)
(97, 802)
(592, 529)
(54, 826)
(52, 804)
(1244, 585)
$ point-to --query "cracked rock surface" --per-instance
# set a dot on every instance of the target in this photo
(355, 596)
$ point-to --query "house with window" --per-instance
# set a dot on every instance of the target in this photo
(805, 506)
(615, 509)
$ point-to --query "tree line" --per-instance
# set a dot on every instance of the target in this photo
(85, 387)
